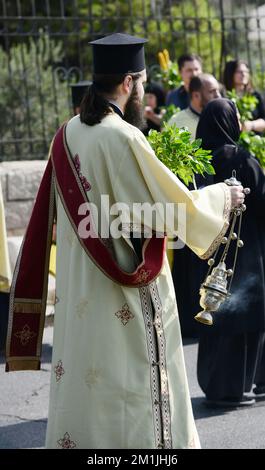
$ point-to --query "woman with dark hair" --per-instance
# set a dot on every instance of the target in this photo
(237, 77)
(154, 100)
(229, 350)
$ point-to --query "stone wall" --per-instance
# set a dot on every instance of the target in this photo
(20, 182)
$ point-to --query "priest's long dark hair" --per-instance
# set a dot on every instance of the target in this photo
(94, 105)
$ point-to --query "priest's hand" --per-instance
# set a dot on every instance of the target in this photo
(237, 195)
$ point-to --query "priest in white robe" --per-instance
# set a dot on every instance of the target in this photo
(118, 374)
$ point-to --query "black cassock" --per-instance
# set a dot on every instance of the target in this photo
(231, 351)
(188, 272)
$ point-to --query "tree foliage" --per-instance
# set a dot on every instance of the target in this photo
(35, 101)
(254, 143)
(246, 104)
(180, 26)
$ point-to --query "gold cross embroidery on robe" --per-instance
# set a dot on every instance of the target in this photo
(92, 377)
(66, 442)
(25, 335)
(143, 276)
(125, 315)
(59, 370)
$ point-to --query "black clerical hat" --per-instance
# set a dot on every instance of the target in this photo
(78, 91)
(118, 53)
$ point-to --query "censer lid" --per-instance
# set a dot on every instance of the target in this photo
(217, 280)
(232, 181)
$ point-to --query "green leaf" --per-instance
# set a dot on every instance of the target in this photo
(255, 144)
(246, 104)
(183, 156)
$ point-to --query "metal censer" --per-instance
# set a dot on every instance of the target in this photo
(217, 284)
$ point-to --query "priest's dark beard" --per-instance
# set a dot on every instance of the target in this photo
(134, 110)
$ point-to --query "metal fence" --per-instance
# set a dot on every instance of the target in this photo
(43, 49)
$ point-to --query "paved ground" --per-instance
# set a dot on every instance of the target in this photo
(220, 429)
(24, 406)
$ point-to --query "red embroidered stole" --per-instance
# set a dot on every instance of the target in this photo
(29, 286)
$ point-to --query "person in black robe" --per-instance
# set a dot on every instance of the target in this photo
(229, 350)
(259, 390)
(78, 91)
(188, 272)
